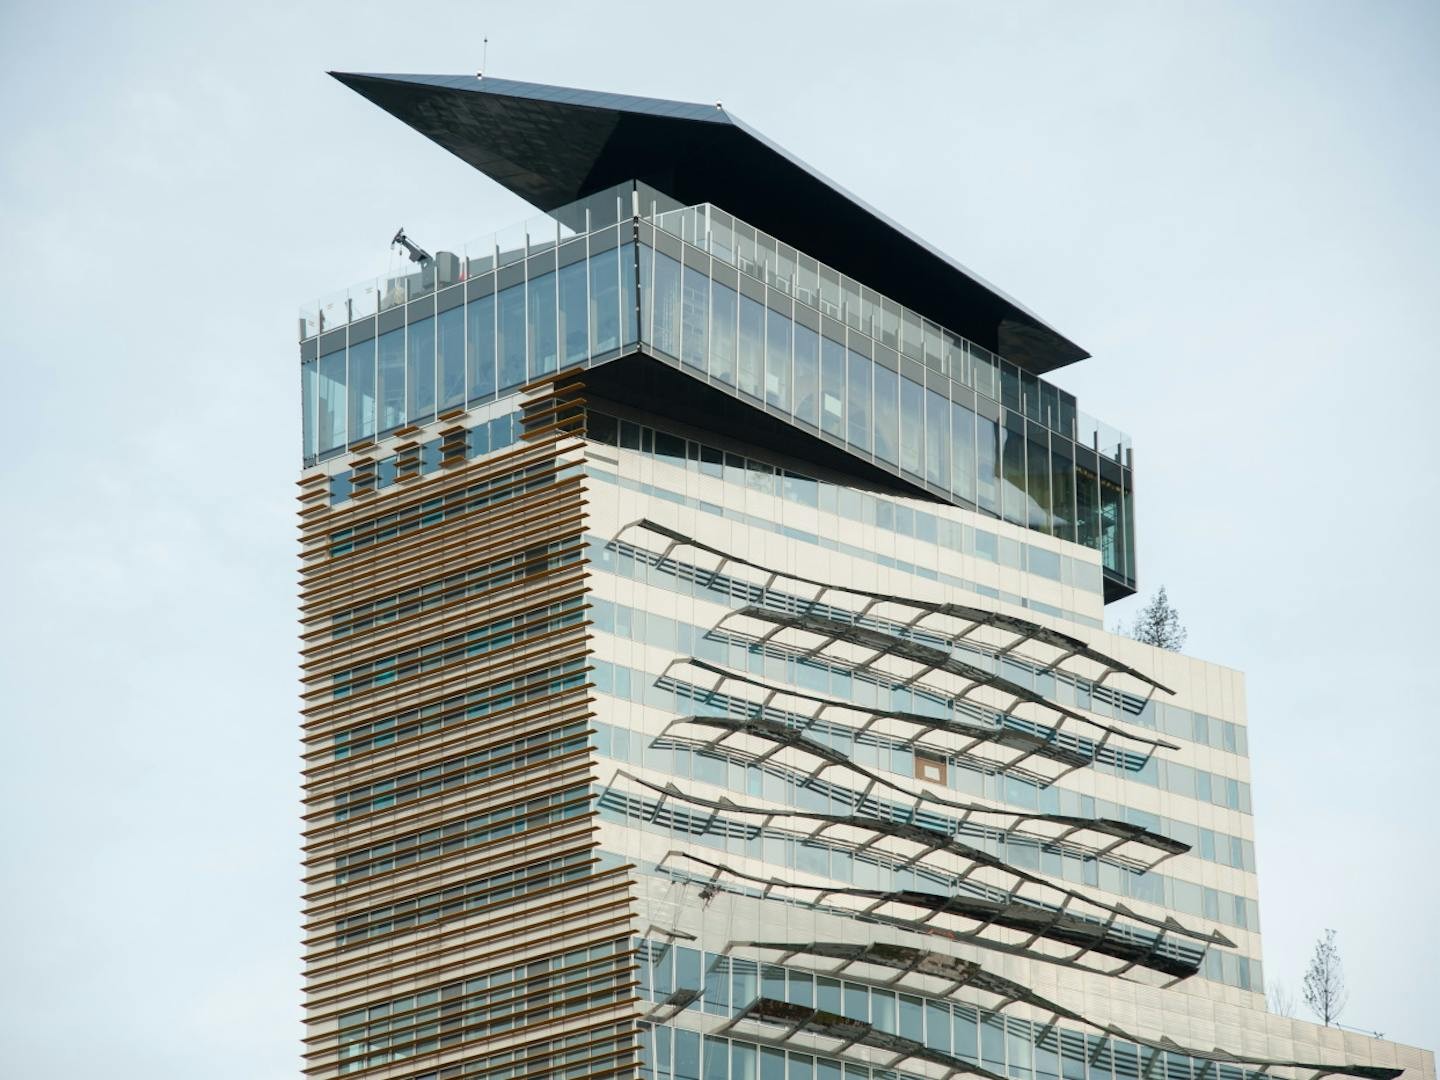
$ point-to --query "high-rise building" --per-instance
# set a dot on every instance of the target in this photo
(704, 661)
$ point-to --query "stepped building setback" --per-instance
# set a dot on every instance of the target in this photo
(705, 672)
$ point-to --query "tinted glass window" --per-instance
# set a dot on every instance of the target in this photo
(723, 317)
(451, 328)
(480, 347)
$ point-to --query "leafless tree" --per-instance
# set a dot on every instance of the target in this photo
(1159, 624)
(1325, 981)
(1282, 1001)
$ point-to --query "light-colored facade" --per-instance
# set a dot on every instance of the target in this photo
(645, 739)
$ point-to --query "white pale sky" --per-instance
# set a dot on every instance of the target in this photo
(1233, 205)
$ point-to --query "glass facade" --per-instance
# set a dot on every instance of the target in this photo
(1006, 1045)
(743, 312)
(837, 359)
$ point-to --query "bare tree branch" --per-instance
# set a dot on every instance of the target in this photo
(1324, 988)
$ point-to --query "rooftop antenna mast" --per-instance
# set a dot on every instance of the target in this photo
(484, 57)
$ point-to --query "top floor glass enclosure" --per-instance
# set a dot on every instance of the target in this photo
(629, 270)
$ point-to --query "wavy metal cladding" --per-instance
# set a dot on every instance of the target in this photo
(553, 145)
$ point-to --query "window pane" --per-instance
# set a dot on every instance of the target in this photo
(777, 359)
(911, 1018)
(992, 1042)
(629, 311)
(604, 303)
(480, 347)
(967, 1036)
(331, 417)
(1087, 501)
(687, 1055)
(511, 320)
(722, 332)
(912, 426)
(882, 1010)
(1038, 471)
(832, 387)
(742, 1062)
(807, 374)
(574, 334)
(1012, 457)
(665, 306)
(937, 1026)
(451, 326)
(420, 381)
(937, 438)
(987, 464)
(1109, 523)
(540, 302)
(1062, 488)
(717, 980)
(392, 379)
(717, 1059)
(887, 414)
(307, 407)
(857, 402)
(857, 1002)
(752, 345)
(362, 390)
(1129, 530)
(962, 451)
(694, 304)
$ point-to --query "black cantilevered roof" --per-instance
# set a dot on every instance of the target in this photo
(553, 146)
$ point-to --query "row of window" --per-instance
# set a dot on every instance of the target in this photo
(1005, 1045)
(469, 344)
(871, 689)
(525, 321)
(854, 866)
(768, 259)
(816, 674)
(486, 638)
(579, 1056)
(758, 342)
(686, 579)
(967, 774)
(438, 592)
(851, 503)
(492, 889)
(673, 1053)
(494, 434)
(729, 984)
(446, 507)
(505, 1000)
(416, 784)
(367, 862)
(777, 786)
(475, 703)
(840, 863)
(830, 543)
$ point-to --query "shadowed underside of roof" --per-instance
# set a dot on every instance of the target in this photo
(552, 146)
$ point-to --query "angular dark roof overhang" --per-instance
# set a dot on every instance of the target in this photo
(552, 146)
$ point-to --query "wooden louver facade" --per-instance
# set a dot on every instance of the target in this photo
(459, 919)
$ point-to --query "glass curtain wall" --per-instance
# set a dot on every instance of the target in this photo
(750, 314)
(745, 312)
(513, 317)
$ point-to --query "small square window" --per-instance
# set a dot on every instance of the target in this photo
(931, 768)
